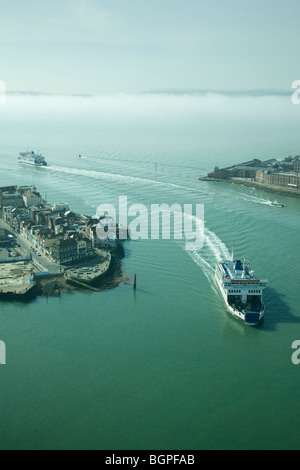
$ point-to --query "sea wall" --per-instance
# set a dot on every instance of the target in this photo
(29, 295)
(278, 190)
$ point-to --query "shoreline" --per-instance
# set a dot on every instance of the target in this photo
(57, 284)
(61, 285)
(48, 249)
(256, 185)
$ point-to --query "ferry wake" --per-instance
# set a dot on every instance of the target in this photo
(241, 290)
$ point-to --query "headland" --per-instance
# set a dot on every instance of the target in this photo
(281, 177)
(47, 249)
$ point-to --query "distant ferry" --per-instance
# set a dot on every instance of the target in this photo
(31, 158)
(241, 290)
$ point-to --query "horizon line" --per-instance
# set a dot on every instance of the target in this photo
(255, 92)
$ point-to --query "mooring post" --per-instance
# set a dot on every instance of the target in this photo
(134, 285)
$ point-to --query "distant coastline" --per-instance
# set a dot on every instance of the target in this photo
(254, 93)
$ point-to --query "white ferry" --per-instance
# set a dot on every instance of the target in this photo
(241, 290)
(31, 158)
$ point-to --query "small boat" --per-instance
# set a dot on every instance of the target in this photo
(79, 156)
(277, 204)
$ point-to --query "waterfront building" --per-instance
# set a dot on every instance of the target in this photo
(296, 167)
(11, 199)
(60, 207)
(280, 180)
(32, 199)
(56, 231)
(64, 251)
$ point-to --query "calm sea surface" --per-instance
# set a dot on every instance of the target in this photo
(168, 368)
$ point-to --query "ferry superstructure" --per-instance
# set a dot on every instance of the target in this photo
(32, 158)
(241, 290)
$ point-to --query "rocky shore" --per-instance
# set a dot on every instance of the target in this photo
(54, 287)
(57, 284)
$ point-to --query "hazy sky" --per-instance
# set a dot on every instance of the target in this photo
(93, 46)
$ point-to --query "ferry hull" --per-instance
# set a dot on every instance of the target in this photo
(249, 318)
(32, 163)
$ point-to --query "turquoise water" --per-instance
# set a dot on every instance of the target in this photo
(167, 368)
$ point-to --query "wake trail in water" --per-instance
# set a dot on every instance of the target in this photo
(247, 198)
(114, 177)
(213, 251)
(256, 200)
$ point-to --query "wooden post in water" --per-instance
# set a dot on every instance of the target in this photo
(134, 285)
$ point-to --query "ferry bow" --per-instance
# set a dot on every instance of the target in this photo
(241, 290)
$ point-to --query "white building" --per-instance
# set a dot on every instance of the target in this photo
(60, 207)
(32, 199)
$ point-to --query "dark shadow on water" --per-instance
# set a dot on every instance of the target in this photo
(142, 291)
(277, 311)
